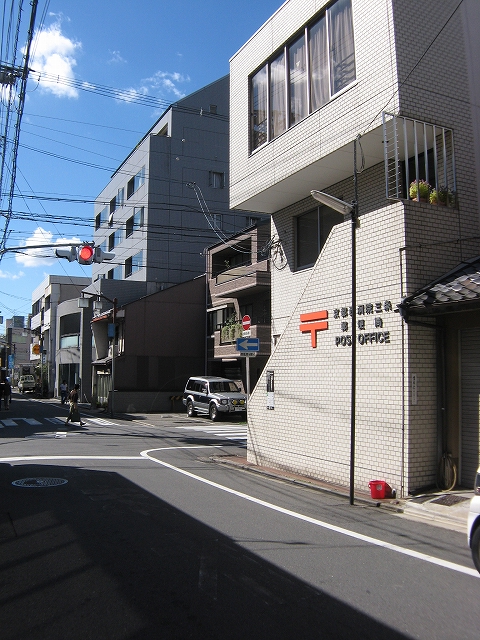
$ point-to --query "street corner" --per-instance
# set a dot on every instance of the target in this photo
(448, 509)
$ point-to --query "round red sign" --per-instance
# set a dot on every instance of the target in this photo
(246, 323)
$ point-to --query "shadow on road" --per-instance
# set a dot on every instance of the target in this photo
(99, 557)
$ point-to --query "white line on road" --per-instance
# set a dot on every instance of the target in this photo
(319, 523)
(137, 457)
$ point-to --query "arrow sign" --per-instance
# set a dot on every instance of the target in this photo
(248, 344)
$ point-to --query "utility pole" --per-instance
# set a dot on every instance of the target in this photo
(8, 77)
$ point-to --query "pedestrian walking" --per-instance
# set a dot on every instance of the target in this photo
(7, 394)
(63, 392)
(74, 413)
(2, 389)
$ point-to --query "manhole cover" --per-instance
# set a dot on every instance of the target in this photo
(449, 501)
(39, 482)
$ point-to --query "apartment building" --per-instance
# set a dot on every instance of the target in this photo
(376, 104)
(169, 199)
(238, 275)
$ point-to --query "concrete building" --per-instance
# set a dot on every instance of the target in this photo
(169, 199)
(238, 273)
(155, 344)
(395, 82)
(62, 331)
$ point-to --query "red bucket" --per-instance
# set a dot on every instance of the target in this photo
(379, 489)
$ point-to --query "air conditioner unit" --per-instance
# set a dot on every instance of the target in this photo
(111, 352)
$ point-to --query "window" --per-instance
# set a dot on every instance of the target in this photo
(120, 197)
(115, 274)
(311, 232)
(259, 92)
(115, 239)
(318, 64)
(133, 264)
(278, 114)
(217, 179)
(135, 222)
(101, 218)
(135, 182)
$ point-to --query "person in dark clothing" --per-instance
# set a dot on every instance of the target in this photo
(74, 414)
(7, 394)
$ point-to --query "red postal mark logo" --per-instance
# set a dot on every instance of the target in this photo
(313, 322)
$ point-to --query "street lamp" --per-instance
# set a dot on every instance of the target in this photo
(349, 209)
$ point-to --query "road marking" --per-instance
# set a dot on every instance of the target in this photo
(319, 523)
(61, 434)
(55, 420)
(101, 421)
(30, 421)
(137, 457)
(230, 433)
(9, 423)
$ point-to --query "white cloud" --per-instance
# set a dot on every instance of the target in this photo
(165, 81)
(130, 95)
(54, 60)
(41, 256)
(6, 275)
(116, 58)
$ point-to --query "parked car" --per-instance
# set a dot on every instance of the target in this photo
(213, 396)
(26, 383)
(474, 523)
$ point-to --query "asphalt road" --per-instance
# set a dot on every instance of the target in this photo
(126, 529)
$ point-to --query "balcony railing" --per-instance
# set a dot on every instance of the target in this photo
(419, 160)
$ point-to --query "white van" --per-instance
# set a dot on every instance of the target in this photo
(474, 523)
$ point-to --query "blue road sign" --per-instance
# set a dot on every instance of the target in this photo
(248, 344)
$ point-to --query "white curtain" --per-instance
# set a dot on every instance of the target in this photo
(277, 96)
(319, 73)
(342, 50)
(259, 107)
(298, 81)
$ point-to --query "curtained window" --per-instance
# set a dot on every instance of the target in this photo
(304, 76)
(342, 51)
(298, 80)
(319, 68)
(277, 96)
(259, 107)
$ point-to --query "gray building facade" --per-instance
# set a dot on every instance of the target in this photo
(169, 199)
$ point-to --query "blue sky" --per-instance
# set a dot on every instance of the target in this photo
(72, 139)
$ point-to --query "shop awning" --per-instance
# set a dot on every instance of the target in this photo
(457, 290)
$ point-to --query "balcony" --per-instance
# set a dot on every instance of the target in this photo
(241, 281)
(224, 346)
(419, 161)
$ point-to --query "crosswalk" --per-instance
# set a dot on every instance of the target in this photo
(225, 432)
(33, 422)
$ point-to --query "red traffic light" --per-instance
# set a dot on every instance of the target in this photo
(85, 254)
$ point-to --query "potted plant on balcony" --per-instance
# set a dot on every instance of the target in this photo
(443, 197)
(230, 328)
(420, 191)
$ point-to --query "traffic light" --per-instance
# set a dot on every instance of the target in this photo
(70, 254)
(86, 254)
(101, 255)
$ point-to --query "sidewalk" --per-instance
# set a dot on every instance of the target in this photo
(447, 509)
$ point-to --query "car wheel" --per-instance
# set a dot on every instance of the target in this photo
(213, 412)
(190, 410)
(476, 548)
